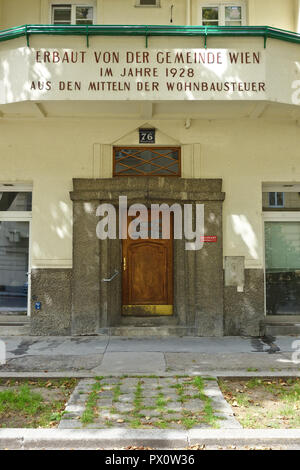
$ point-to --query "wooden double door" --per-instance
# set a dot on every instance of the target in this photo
(147, 272)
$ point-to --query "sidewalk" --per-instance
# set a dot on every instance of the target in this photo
(162, 398)
(92, 356)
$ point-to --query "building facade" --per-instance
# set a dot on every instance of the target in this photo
(187, 103)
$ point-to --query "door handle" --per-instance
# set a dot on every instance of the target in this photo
(124, 263)
(112, 277)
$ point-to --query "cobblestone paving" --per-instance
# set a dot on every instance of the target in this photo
(148, 403)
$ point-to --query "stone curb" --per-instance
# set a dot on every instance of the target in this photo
(221, 407)
(28, 439)
(204, 373)
(245, 437)
(25, 439)
(47, 375)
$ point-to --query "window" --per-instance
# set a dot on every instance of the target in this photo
(223, 15)
(72, 14)
(282, 266)
(15, 219)
(276, 199)
(147, 3)
(210, 16)
(145, 161)
(233, 16)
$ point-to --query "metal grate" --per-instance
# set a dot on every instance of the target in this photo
(146, 161)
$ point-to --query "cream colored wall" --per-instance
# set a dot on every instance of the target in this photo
(297, 15)
(243, 153)
(125, 12)
(1, 17)
(279, 13)
(18, 12)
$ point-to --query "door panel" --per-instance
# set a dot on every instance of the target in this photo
(147, 265)
(147, 276)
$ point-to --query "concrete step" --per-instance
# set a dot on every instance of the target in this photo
(150, 331)
(14, 330)
(14, 318)
(14, 325)
(280, 327)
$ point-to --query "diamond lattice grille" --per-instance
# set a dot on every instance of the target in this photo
(141, 161)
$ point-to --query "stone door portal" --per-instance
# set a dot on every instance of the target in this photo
(165, 284)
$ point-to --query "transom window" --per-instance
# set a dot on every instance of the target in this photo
(281, 197)
(276, 199)
(146, 161)
(15, 201)
(223, 15)
(147, 3)
(72, 14)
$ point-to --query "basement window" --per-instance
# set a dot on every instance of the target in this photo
(64, 14)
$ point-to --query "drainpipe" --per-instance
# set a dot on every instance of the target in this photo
(188, 12)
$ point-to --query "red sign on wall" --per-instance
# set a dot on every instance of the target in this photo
(209, 239)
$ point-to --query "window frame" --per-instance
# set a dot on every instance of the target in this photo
(221, 7)
(73, 6)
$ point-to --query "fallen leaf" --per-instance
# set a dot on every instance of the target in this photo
(197, 447)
